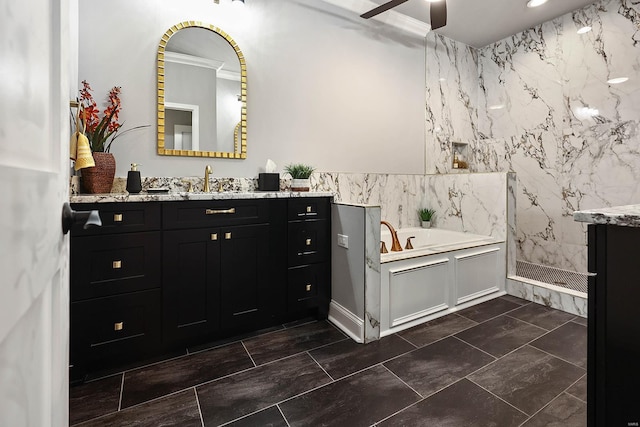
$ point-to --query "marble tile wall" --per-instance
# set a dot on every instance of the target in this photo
(545, 111)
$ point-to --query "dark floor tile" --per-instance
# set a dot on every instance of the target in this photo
(581, 320)
(565, 411)
(358, 400)
(579, 389)
(179, 409)
(488, 310)
(461, 404)
(568, 342)
(167, 377)
(270, 417)
(246, 392)
(436, 329)
(527, 378)
(346, 357)
(501, 335)
(94, 399)
(270, 347)
(438, 365)
(542, 316)
(516, 300)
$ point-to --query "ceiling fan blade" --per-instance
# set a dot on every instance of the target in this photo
(438, 11)
(383, 7)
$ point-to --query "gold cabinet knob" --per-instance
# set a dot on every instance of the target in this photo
(117, 217)
(308, 242)
(117, 264)
(309, 209)
(308, 288)
(214, 236)
(227, 236)
(118, 326)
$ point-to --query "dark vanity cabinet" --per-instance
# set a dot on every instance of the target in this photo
(308, 255)
(161, 276)
(613, 369)
(115, 287)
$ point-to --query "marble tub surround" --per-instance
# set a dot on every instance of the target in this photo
(624, 216)
(542, 107)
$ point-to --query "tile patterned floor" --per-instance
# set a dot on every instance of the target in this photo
(506, 362)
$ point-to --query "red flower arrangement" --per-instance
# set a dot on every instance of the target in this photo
(98, 130)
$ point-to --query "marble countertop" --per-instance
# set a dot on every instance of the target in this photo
(179, 196)
(624, 216)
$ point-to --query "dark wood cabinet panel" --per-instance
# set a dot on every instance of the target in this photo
(197, 214)
(191, 291)
(307, 286)
(114, 264)
(308, 208)
(120, 218)
(308, 242)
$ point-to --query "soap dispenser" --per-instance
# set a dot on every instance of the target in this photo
(134, 184)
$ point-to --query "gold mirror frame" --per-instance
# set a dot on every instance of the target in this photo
(241, 128)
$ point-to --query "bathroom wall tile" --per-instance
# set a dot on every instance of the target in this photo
(372, 274)
(244, 393)
(436, 329)
(549, 297)
(501, 335)
(177, 409)
(346, 357)
(541, 316)
(276, 345)
(461, 404)
(565, 411)
(527, 378)
(150, 382)
(94, 399)
(438, 365)
(358, 400)
(555, 342)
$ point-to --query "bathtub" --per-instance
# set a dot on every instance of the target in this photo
(445, 272)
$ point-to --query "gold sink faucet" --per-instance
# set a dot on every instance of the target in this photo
(395, 243)
(207, 172)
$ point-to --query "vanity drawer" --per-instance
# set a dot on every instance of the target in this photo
(195, 214)
(120, 217)
(308, 242)
(306, 285)
(113, 264)
(308, 208)
(112, 330)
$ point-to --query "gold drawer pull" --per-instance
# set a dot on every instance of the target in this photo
(214, 236)
(308, 288)
(117, 217)
(227, 236)
(308, 242)
(118, 326)
(117, 264)
(220, 211)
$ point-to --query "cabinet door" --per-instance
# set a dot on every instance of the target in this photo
(191, 290)
(245, 283)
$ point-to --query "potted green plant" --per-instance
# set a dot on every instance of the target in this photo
(300, 174)
(426, 216)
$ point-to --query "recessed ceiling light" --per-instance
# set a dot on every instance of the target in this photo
(584, 29)
(535, 3)
(617, 80)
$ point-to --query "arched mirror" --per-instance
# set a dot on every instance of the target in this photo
(202, 93)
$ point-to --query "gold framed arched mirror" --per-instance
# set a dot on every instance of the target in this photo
(202, 93)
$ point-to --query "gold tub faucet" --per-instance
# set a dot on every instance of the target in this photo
(395, 243)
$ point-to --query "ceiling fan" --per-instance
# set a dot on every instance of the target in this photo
(437, 10)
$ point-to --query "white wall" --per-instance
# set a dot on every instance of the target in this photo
(325, 87)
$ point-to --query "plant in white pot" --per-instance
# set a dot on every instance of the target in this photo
(426, 216)
(300, 174)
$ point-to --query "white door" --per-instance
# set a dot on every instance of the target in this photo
(36, 67)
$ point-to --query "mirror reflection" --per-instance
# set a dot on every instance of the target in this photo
(201, 93)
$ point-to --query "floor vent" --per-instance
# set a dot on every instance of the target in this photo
(554, 276)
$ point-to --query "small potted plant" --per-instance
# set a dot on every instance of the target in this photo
(426, 216)
(300, 174)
